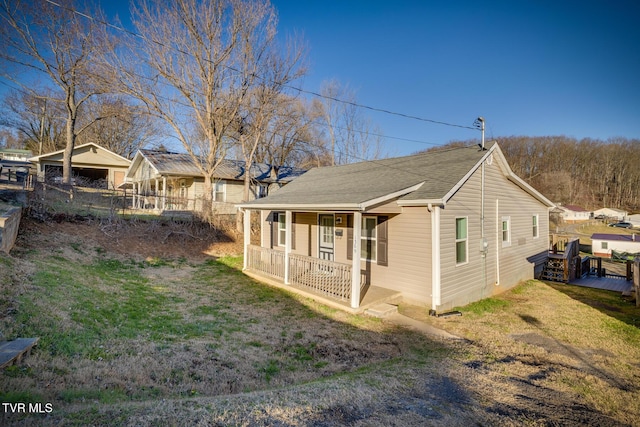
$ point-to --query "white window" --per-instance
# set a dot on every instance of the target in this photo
(461, 240)
(506, 231)
(282, 229)
(261, 191)
(535, 226)
(369, 240)
(604, 245)
(219, 191)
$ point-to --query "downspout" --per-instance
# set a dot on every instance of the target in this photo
(435, 258)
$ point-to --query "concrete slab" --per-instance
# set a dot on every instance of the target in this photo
(382, 310)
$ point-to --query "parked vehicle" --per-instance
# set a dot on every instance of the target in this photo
(621, 225)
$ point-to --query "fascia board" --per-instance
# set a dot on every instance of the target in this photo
(390, 196)
(521, 182)
(303, 207)
(421, 202)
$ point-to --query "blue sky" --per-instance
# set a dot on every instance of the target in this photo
(535, 68)
(529, 67)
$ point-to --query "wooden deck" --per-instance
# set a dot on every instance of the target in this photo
(610, 284)
(12, 351)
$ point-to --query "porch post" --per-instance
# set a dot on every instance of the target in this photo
(134, 199)
(164, 192)
(155, 204)
(247, 236)
(287, 245)
(355, 266)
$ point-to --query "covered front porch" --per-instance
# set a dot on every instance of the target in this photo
(325, 281)
(341, 284)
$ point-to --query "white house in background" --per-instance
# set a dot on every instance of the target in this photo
(634, 220)
(603, 245)
(610, 213)
(572, 214)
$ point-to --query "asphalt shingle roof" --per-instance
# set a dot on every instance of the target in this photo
(439, 171)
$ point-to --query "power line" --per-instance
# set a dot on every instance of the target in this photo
(295, 88)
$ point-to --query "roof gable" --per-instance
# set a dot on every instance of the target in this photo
(89, 153)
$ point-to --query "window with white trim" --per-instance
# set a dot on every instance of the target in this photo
(219, 191)
(462, 242)
(282, 228)
(534, 223)
(506, 231)
(604, 245)
(369, 239)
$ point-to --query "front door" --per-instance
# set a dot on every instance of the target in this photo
(326, 237)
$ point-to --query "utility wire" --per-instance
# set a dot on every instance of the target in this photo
(298, 89)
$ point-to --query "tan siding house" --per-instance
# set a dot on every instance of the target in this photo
(165, 181)
(443, 228)
(89, 163)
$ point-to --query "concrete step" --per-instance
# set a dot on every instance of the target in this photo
(382, 310)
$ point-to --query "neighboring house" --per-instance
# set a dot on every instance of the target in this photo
(13, 154)
(91, 164)
(572, 214)
(165, 181)
(14, 164)
(444, 228)
(603, 245)
(610, 213)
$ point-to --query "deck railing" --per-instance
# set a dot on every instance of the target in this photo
(327, 277)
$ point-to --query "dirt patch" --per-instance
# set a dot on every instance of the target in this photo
(136, 239)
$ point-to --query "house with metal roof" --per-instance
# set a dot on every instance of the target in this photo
(439, 229)
(166, 181)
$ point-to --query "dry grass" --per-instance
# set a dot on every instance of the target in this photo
(568, 342)
(146, 338)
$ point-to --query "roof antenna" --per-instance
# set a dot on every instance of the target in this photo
(479, 123)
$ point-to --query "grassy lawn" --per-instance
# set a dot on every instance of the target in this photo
(146, 340)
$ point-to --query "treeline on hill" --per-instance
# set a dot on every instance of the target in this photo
(590, 173)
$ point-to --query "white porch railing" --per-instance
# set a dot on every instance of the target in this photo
(267, 261)
(327, 277)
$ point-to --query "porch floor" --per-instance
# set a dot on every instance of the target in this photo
(618, 285)
(373, 295)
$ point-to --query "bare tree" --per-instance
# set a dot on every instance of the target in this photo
(53, 42)
(351, 136)
(124, 129)
(193, 71)
(262, 58)
(39, 123)
(293, 137)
